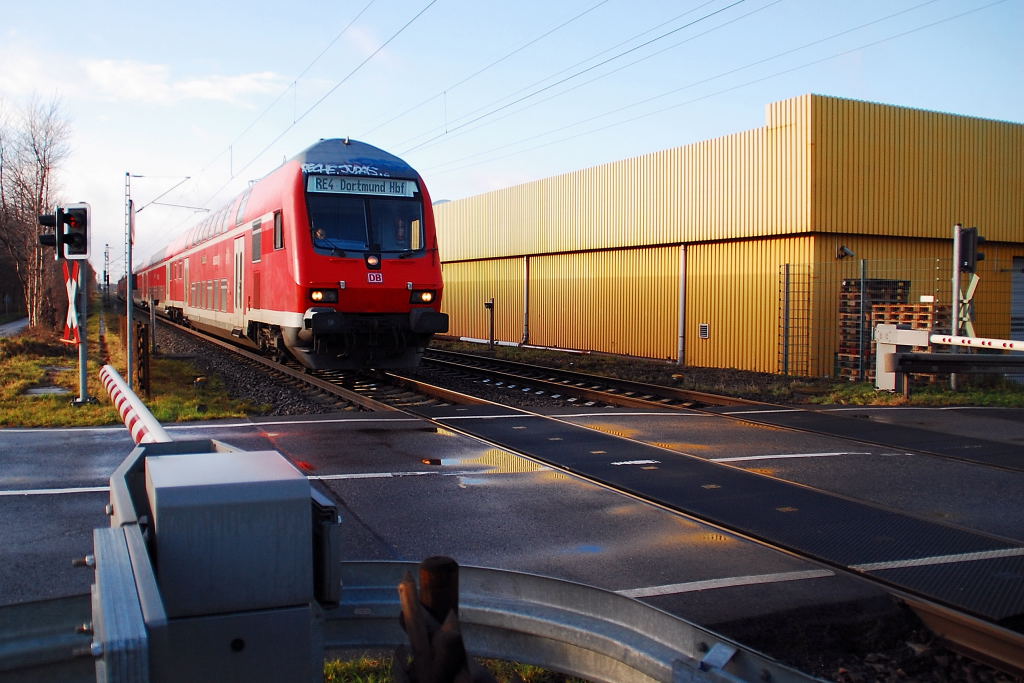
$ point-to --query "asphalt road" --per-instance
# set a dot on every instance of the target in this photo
(12, 328)
(487, 507)
(479, 504)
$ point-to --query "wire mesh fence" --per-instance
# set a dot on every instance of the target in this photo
(828, 310)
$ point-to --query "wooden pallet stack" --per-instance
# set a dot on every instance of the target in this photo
(923, 316)
(857, 300)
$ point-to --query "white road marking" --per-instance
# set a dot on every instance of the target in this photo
(637, 462)
(727, 582)
(188, 427)
(939, 559)
(56, 492)
(781, 456)
(319, 477)
(368, 475)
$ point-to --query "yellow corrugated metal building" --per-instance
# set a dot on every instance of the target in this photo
(729, 252)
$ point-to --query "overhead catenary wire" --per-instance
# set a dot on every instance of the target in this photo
(693, 84)
(564, 70)
(291, 87)
(718, 92)
(486, 68)
(320, 101)
(617, 70)
(575, 75)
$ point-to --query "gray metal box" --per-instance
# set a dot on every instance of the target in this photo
(232, 532)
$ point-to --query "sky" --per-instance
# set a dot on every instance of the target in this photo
(196, 99)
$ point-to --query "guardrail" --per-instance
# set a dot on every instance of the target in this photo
(894, 358)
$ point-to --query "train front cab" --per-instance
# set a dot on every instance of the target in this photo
(374, 270)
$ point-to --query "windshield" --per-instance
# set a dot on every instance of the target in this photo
(360, 224)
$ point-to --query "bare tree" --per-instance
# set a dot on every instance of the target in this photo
(33, 144)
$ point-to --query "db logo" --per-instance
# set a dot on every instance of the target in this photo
(375, 278)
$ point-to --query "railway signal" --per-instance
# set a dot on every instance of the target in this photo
(70, 233)
(969, 255)
(76, 237)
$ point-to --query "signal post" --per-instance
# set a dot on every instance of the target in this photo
(71, 238)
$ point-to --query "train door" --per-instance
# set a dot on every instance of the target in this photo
(187, 291)
(239, 279)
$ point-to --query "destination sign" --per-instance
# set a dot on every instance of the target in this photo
(383, 187)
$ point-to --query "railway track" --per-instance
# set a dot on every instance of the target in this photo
(981, 639)
(593, 390)
(583, 386)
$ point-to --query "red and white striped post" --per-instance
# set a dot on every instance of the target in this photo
(140, 422)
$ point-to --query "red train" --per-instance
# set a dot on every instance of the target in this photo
(331, 259)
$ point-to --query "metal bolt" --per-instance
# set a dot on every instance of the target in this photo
(87, 561)
(109, 509)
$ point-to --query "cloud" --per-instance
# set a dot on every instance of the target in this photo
(142, 82)
(27, 71)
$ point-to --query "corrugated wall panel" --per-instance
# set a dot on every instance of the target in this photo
(733, 288)
(624, 301)
(469, 284)
(750, 184)
(885, 170)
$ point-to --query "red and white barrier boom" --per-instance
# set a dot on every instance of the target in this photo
(978, 342)
(140, 422)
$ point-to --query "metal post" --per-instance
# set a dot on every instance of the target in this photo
(785, 319)
(525, 301)
(954, 325)
(439, 586)
(681, 348)
(860, 327)
(152, 327)
(489, 305)
(83, 328)
(129, 228)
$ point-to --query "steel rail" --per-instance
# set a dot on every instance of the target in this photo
(573, 381)
(999, 647)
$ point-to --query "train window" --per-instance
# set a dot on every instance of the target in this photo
(338, 223)
(344, 223)
(240, 214)
(278, 231)
(397, 225)
(257, 242)
(224, 295)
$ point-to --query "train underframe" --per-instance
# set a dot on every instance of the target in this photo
(344, 341)
(329, 340)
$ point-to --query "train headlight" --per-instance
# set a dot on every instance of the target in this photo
(373, 261)
(323, 296)
(422, 296)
